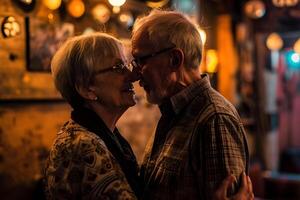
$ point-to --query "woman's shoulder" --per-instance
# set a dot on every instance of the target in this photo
(80, 157)
(73, 132)
(74, 141)
(75, 144)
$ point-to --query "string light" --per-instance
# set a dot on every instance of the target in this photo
(116, 9)
(274, 42)
(211, 61)
(117, 3)
(156, 4)
(126, 19)
(25, 5)
(76, 8)
(52, 4)
(101, 13)
(297, 46)
(282, 3)
(255, 9)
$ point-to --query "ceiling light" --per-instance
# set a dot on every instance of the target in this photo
(274, 42)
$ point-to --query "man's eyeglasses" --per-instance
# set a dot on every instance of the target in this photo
(137, 62)
(120, 68)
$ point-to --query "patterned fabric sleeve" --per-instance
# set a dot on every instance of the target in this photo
(223, 152)
(83, 168)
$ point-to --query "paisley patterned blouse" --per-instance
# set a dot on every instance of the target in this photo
(80, 166)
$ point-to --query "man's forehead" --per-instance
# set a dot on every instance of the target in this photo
(141, 43)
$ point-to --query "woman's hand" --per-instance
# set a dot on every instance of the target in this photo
(244, 193)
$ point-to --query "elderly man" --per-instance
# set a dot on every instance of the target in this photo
(199, 138)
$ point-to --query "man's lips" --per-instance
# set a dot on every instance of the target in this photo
(144, 85)
(135, 75)
(141, 83)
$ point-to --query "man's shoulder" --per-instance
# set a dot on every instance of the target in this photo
(212, 103)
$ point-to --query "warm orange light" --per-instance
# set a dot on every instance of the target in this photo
(27, 1)
(126, 19)
(274, 42)
(101, 13)
(202, 36)
(255, 9)
(52, 4)
(297, 46)
(157, 4)
(50, 17)
(76, 8)
(116, 2)
(116, 9)
(282, 3)
(211, 61)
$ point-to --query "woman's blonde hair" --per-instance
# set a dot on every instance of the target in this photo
(76, 61)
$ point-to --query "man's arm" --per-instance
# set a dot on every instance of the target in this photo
(223, 151)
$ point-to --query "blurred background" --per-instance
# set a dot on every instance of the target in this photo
(251, 52)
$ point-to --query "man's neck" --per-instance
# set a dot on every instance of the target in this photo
(186, 77)
(182, 79)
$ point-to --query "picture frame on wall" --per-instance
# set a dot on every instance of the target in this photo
(42, 41)
(22, 77)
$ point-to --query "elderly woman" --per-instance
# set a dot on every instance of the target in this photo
(90, 159)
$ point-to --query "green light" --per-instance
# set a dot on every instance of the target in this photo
(293, 60)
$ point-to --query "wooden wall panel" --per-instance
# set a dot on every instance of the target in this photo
(15, 81)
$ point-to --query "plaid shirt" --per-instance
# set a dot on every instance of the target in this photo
(199, 140)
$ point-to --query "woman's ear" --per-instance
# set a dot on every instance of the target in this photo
(177, 58)
(86, 92)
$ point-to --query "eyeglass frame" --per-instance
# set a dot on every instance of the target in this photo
(115, 68)
(135, 62)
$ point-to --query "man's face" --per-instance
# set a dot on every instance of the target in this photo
(154, 68)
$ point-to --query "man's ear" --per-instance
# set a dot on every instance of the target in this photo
(86, 92)
(177, 58)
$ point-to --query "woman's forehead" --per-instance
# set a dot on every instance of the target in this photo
(110, 61)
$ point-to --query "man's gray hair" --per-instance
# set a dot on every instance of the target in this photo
(166, 28)
(77, 60)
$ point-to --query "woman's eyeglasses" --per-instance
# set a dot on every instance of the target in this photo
(136, 63)
(120, 68)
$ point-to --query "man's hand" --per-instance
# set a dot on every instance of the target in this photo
(244, 193)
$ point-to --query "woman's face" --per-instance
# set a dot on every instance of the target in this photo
(113, 86)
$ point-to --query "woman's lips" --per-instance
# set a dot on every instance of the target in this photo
(128, 88)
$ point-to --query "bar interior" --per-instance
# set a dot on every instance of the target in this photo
(251, 53)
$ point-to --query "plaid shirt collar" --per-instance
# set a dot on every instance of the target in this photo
(185, 96)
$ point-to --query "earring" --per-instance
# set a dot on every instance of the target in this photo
(96, 98)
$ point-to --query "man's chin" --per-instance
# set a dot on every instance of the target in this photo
(128, 105)
(132, 103)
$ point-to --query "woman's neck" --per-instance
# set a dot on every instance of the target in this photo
(109, 116)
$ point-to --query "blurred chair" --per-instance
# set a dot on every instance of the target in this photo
(290, 161)
(279, 186)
